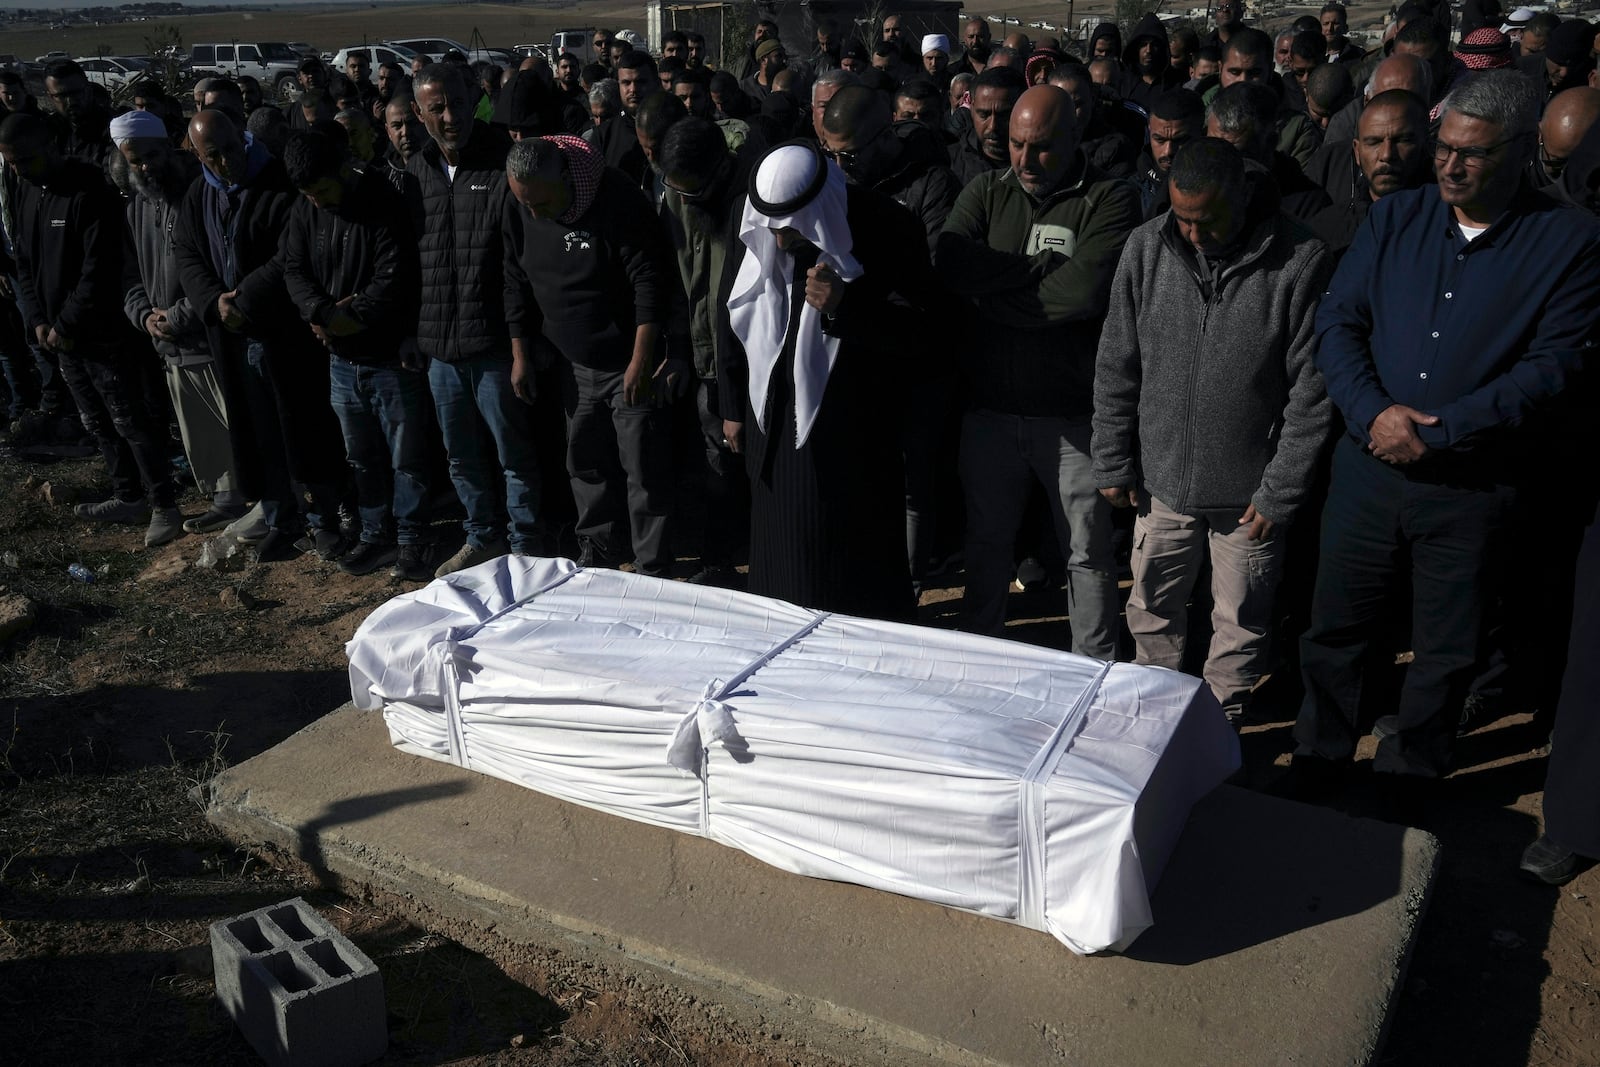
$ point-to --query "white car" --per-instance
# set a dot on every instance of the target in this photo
(113, 72)
(435, 48)
(377, 54)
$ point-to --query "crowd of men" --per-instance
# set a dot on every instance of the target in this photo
(1303, 321)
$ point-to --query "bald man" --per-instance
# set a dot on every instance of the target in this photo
(1034, 247)
(1396, 72)
(286, 440)
(1567, 117)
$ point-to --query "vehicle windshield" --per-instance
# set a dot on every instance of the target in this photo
(277, 50)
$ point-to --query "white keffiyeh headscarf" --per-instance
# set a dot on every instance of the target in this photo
(793, 186)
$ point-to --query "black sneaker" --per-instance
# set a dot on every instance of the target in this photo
(1550, 863)
(411, 564)
(367, 557)
(278, 545)
(592, 555)
(715, 574)
(330, 544)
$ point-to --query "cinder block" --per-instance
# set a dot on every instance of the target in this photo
(298, 989)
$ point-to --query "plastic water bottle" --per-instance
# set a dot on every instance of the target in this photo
(81, 573)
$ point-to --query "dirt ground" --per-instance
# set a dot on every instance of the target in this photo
(127, 694)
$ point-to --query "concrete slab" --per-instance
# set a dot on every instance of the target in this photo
(1282, 931)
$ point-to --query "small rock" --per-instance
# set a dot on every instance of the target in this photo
(164, 569)
(17, 613)
(58, 496)
(237, 599)
(140, 884)
(518, 1040)
(11, 559)
(32, 482)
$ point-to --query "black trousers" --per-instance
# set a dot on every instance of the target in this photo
(133, 440)
(1572, 785)
(1385, 531)
(619, 460)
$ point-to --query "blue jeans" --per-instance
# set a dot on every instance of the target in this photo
(488, 436)
(1001, 458)
(381, 411)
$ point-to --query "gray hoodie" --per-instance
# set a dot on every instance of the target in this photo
(150, 280)
(1213, 402)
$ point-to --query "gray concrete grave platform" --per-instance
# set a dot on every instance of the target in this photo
(1282, 931)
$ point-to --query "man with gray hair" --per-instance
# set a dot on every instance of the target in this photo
(822, 91)
(1244, 115)
(1214, 469)
(157, 306)
(1449, 337)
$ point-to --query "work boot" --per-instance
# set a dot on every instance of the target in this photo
(470, 555)
(367, 557)
(411, 565)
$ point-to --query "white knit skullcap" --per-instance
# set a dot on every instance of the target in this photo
(935, 42)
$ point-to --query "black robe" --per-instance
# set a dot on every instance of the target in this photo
(827, 523)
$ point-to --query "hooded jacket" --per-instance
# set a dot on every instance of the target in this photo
(457, 227)
(1130, 83)
(1039, 273)
(1206, 395)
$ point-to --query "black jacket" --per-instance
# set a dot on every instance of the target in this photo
(967, 160)
(457, 226)
(262, 210)
(618, 140)
(364, 250)
(921, 181)
(1130, 84)
(69, 255)
(586, 286)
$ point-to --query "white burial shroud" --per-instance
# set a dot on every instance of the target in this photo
(1017, 782)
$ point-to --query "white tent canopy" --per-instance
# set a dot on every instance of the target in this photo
(1018, 782)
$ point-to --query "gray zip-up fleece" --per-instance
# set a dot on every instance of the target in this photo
(1214, 403)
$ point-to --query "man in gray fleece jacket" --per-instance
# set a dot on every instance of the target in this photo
(1209, 416)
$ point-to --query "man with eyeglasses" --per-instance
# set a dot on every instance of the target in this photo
(1449, 336)
(602, 47)
(1567, 118)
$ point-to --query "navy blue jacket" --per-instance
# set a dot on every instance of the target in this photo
(1485, 335)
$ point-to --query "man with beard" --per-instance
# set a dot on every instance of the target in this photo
(1108, 150)
(1242, 115)
(974, 32)
(1447, 396)
(68, 248)
(1176, 119)
(1228, 22)
(80, 122)
(156, 304)
(1147, 63)
(406, 136)
(286, 441)
(986, 147)
(314, 102)
(617, 137)
(1390, 153)
(350, 266)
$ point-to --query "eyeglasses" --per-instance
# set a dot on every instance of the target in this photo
(1472, 156)
(1552, 165)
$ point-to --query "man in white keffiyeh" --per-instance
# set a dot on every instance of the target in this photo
(815, 401)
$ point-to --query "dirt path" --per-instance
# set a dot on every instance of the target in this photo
(125, 695)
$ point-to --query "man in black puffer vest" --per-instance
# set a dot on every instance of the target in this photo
(456, 189)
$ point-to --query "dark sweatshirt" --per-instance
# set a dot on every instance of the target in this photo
(69, 254)
(587, 285)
